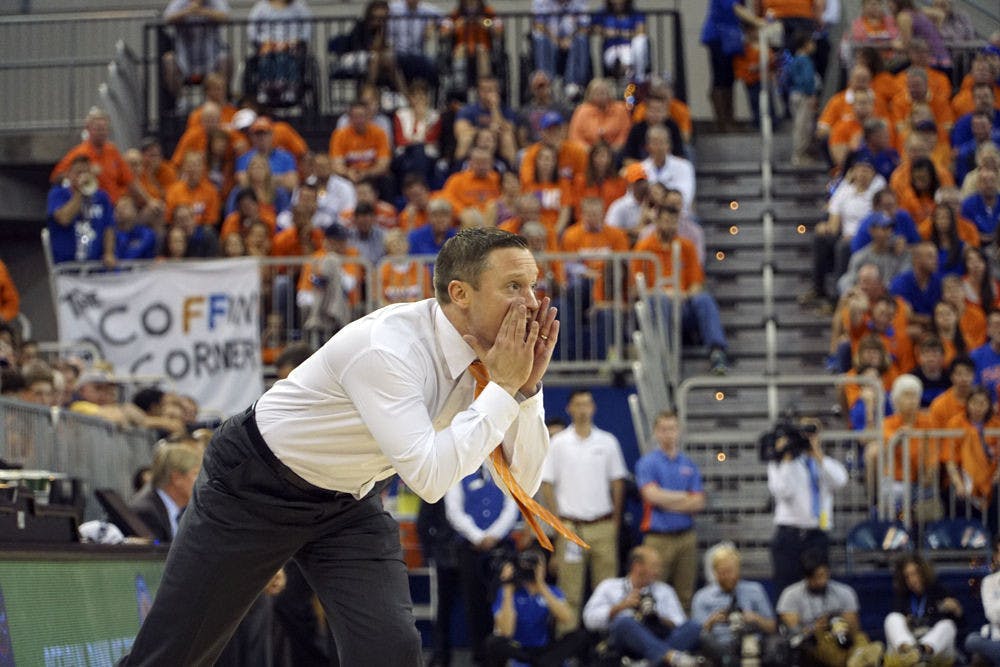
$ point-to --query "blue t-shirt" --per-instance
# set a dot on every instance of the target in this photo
(137, 243)
(422, 240)
(480, 116)
(961, 132)
(676, 474)
(974, 208)
(921, 300)
(280, 160)
(532, 627)
(987, 361)
(903, 225)
(625, 25)
(83, 239)
(885, 161)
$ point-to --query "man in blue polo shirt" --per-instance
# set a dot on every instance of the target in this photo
(428, 239)
(672, 493)
(921, 285)
(983, 206)
(81, 218)
(284, 169)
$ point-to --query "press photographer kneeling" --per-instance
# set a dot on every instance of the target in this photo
(524, 614)
(802, 481)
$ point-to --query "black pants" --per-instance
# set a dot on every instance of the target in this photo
(249, 514)
(477, 576)
(501, 649)
(787, 547)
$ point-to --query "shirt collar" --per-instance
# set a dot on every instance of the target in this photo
(457, 353)
(172, 509)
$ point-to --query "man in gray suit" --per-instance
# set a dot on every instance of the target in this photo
(160, 503)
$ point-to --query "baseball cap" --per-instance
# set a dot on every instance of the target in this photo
(550, 119)
(262, 124)
(635, 172)
(244, 118)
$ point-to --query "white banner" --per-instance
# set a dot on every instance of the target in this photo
(194, 323)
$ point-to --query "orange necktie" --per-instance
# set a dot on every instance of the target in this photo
(531, 510)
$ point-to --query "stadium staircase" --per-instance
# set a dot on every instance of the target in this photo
(724, 422)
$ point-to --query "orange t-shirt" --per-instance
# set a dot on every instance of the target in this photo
(464, 190)
(203, 200)
(937, 83)
(359, 151)
(470, 32)
(607, 240)
(944, 407)
(691, 271)
(967, 231)
(10, 300)
(195, 140)
(885, 89)
(156, 185)
(352, 269)
(970, 455)
(112, 172)
(590, 124)
(234, 224)
(552, 197)
(786, 9)
(609, 190)
(839, 108)
(411, 218)
(973, 325)
(404, 281)
(902, 105)
(287, 138)
(932, 456)
(287, 244)
(852, 392)
(571, 160)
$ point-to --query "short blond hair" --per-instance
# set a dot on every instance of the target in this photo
(170, 458)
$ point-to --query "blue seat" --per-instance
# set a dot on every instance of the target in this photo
(956, 534)
(876, 540)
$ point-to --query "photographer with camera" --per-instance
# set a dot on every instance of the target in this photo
(642, 615)
(524, 612)
(821, 616)
(736, 617)
(802, 481)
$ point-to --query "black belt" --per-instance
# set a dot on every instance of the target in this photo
(249, 424)
(799, 531)
(670, 533)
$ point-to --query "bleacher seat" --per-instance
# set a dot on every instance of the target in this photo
(956, 534)
(876, 541)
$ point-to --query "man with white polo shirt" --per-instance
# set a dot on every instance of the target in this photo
(583, 482)
(675, 173)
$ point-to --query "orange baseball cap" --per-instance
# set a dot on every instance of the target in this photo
(634, 172)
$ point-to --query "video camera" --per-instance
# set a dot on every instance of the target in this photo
(797, 436)
(525, 565)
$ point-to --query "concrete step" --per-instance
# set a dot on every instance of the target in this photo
(747, 187)
(751, 263)
(736, 211)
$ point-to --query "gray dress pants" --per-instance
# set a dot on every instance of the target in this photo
(249, 515)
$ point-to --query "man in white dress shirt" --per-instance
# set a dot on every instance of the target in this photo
(642, 615)
(675, 173)
(299, 474)
(802, 484)
(583, 482)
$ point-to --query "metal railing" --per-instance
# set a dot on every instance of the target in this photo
(591, 290)
(328, 88)
(899, 498)
(57, 440)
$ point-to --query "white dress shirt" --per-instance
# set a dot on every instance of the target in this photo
(623, 213)
(581, 470)
(465, 525)
(173, 511)
(597, 611)
(337, 197)
(391, 393)
(789, 483)
(675, 174)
